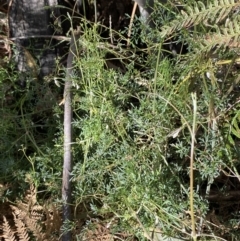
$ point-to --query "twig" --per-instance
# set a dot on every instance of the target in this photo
(131, 23)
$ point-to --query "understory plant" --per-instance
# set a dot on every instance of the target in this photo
(136, 130)
(155, 129)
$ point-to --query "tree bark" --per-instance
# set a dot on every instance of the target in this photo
(28, 18)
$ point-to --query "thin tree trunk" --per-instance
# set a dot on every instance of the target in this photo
(28, 18)
(67, 162)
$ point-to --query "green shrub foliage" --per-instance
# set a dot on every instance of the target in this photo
(133, 118)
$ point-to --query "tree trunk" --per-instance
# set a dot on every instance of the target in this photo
(29, 18)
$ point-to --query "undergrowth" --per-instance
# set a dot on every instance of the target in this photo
(139, 122)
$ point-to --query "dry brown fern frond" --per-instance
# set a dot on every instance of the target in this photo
(31, 223)
(40, 223)
(8, 233)
(31, 194)
(21, 229)
(37, 212)
(29, 220)
(53, 221)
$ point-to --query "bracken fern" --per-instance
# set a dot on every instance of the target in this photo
(218, 19)
(32, 222)
(200, 14)
(8, 233)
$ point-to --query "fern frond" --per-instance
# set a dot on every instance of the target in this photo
(35, 227)
(235, 125)
(53, 221)
(31, 223)
(223, 37)
(199, 13)
(21, 213)
(37, 212)
(21, 229)
(8, 234)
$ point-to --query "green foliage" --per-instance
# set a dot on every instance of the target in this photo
(213, 25)
(27, 130)
(199, 13)
(133, 119)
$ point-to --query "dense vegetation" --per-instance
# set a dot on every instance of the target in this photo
(156, 131)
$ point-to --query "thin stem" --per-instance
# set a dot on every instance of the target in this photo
(67, 161)
(194, 99)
